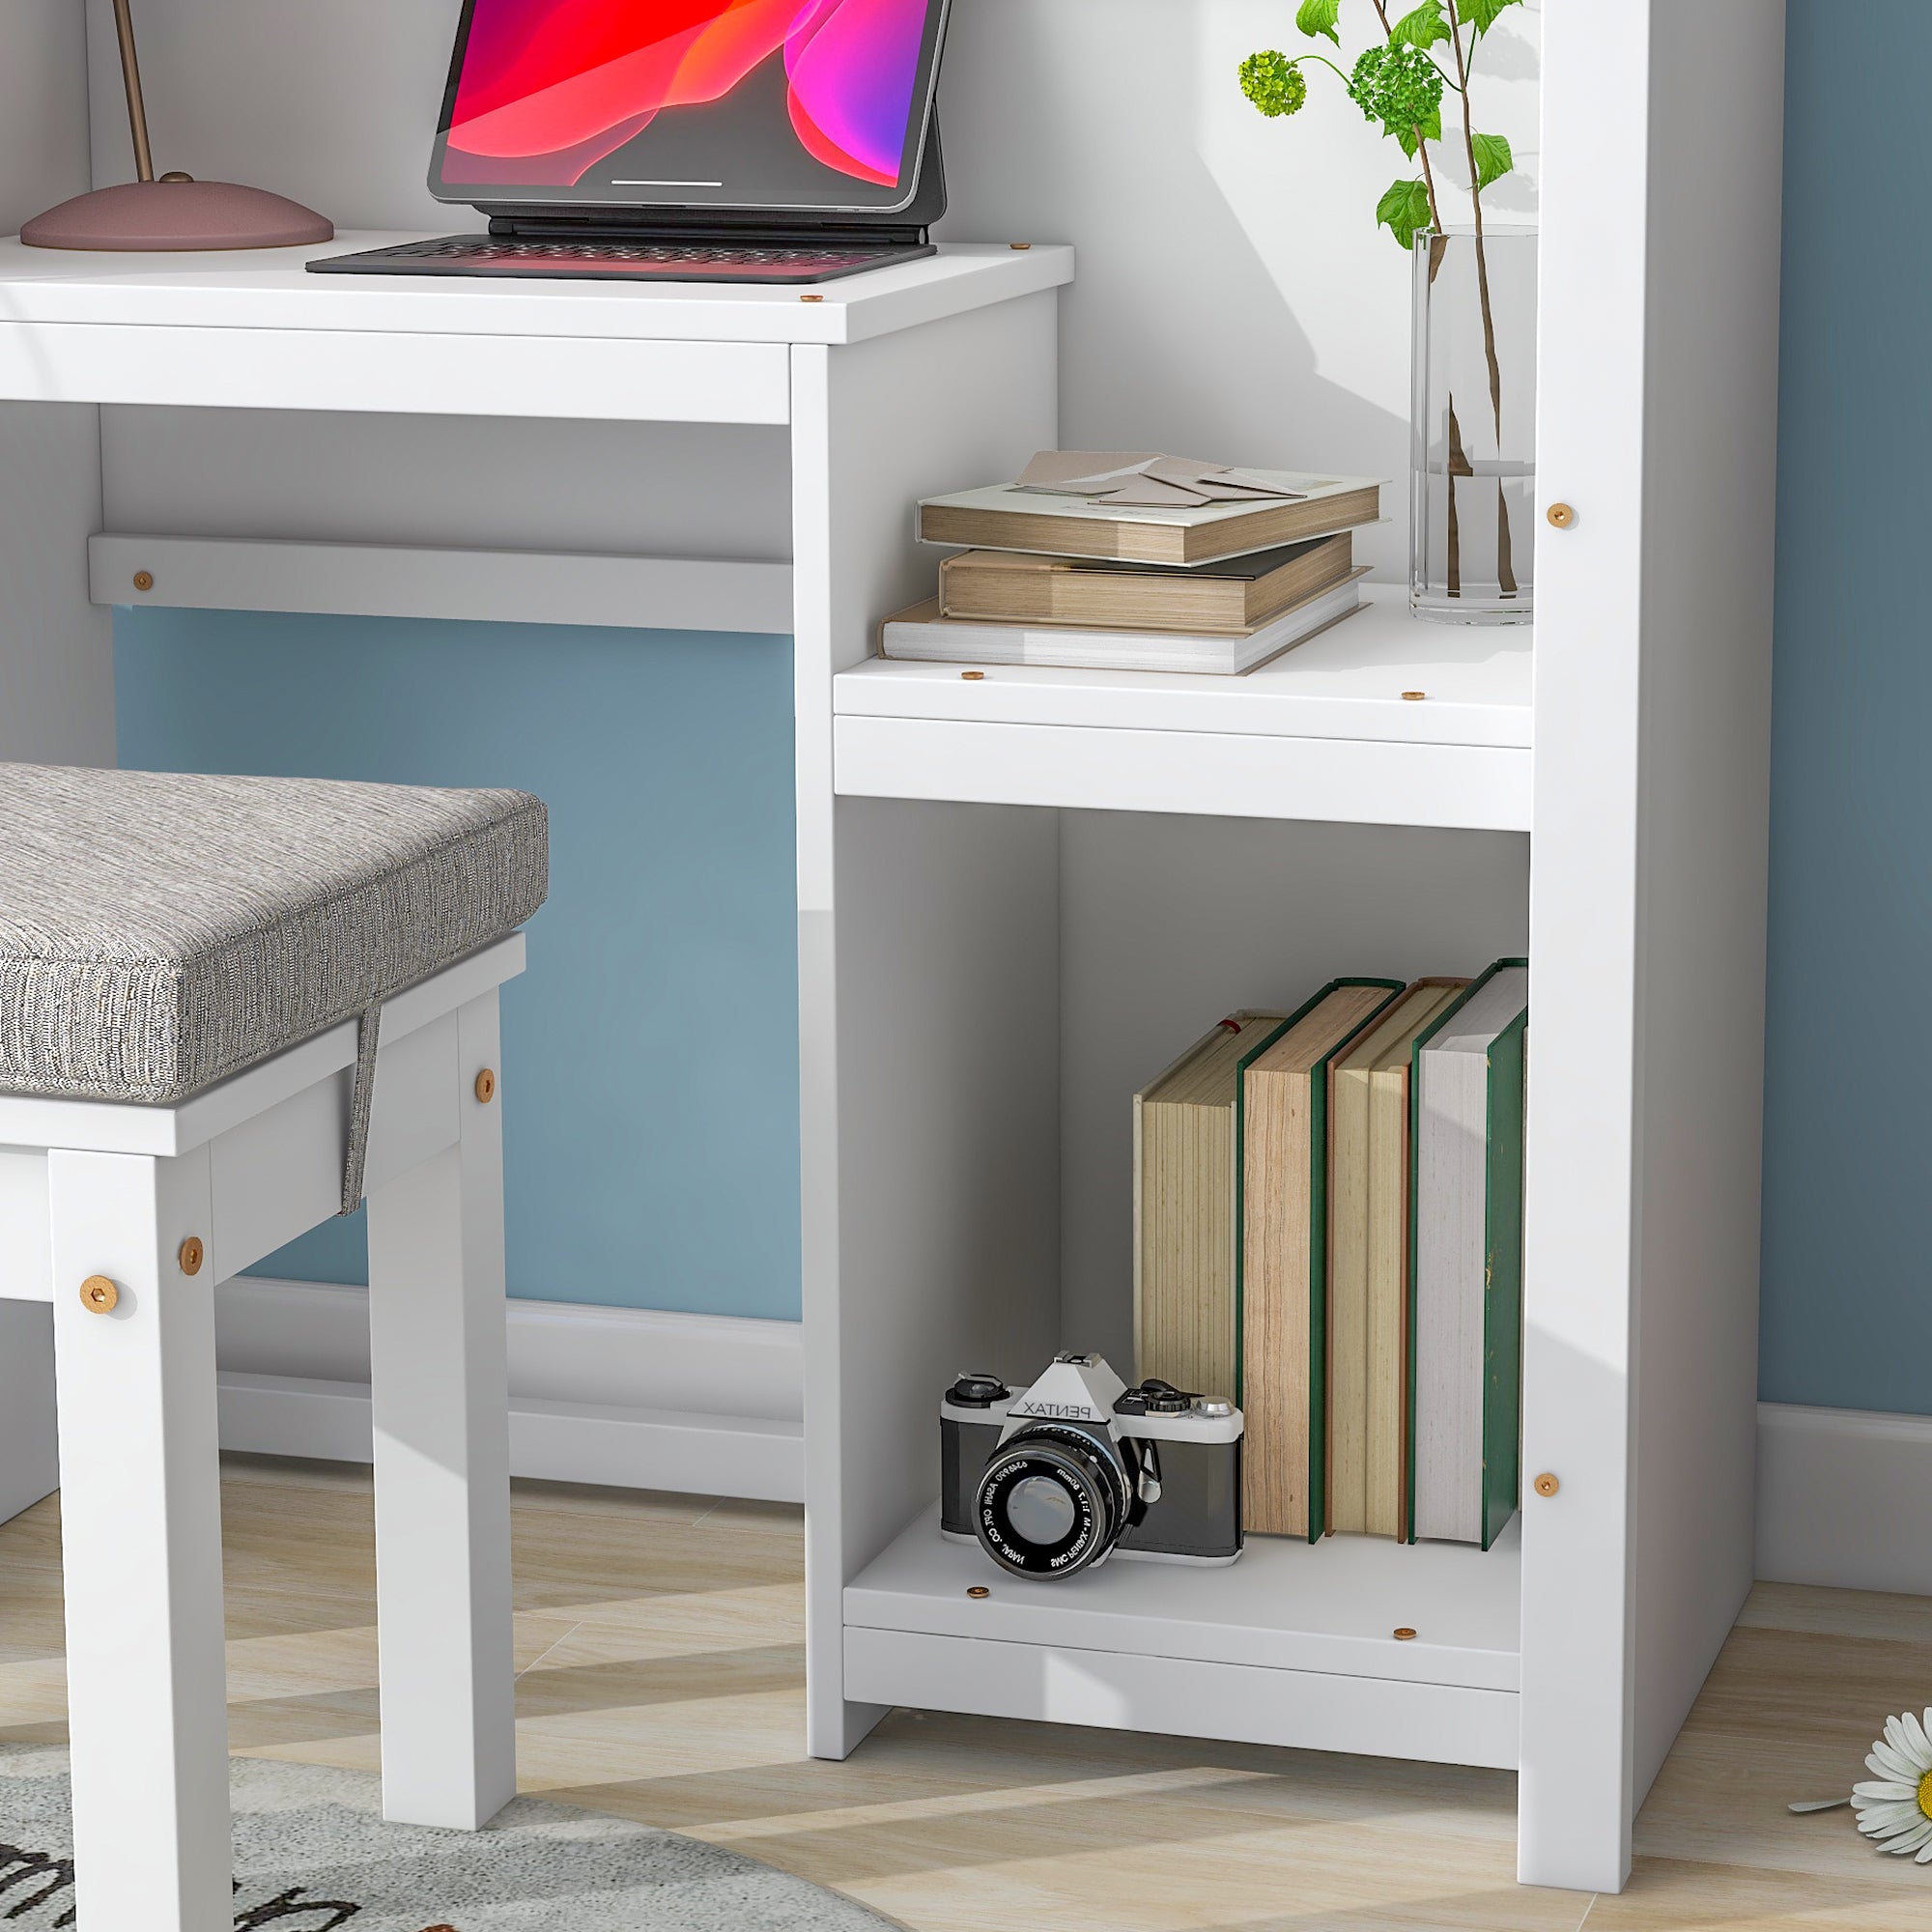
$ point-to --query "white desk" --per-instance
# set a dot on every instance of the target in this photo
(872, 392)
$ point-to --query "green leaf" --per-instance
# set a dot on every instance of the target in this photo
(1482, 14)
(1494, 159)
(1423, 27)
(1316, 17)
(1431, 131)
(1403, 210)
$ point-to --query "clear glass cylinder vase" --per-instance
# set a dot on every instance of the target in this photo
(1472, 427)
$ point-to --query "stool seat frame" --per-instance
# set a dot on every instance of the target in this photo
(91, 1189)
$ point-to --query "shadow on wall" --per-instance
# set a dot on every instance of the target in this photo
(1234, 298)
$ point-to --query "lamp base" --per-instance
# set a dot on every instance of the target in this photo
(177, 213)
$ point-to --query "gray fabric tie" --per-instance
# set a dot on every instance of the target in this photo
(367, 1028)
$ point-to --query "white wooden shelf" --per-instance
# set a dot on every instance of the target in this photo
(1323, 732)
(1278, 1633)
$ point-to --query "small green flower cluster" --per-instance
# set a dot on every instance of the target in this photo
(1274, 83)
(1398, 85)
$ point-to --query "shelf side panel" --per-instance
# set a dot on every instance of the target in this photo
(928, 985)
(1573, 1793)
(1708, 492)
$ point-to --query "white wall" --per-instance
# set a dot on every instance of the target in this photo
(42, 110)
(56, 687)
(1236, 300)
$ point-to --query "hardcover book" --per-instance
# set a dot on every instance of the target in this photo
(1368, 1264)
(1282, 1263)
(921, 634)
(1466, 1326)
(1185, 1207)
(1232, 598)
(1007, 516)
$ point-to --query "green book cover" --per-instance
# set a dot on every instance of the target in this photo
(1318, 1231)
(1503, 1261)
(1502, 1279)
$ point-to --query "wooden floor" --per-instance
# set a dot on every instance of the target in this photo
(659, 1647)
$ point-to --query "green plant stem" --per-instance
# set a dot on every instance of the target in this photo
(1505, 565)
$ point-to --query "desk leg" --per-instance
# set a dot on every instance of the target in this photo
(141, 1545)
(437, 1336)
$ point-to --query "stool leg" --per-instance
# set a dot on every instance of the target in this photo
(141, 1545)
(437, 1336)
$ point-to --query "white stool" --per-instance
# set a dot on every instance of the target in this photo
(124, 1208)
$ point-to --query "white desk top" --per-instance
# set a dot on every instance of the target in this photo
(271, 289)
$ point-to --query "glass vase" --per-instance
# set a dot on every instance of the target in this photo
(1472, 427)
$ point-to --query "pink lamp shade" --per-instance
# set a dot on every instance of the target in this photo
(177, 213)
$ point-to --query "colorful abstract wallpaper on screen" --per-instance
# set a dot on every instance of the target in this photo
(550, 88)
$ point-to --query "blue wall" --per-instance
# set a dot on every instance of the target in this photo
(650, 1052)
(1847, 1306)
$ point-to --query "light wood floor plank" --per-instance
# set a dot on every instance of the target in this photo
(659, 1645)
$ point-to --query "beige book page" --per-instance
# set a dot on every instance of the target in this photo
(1386, 1344)
(1347, 1297)
(1184, 1211)
(1276, 1234)
(1188, 1246)
(1348, 1170)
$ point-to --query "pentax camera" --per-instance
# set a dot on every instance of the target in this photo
(1054, 1479)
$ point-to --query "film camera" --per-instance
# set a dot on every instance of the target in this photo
(1053, 1479)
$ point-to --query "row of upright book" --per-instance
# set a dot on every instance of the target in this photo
(1328, 1223)
(1097, 560)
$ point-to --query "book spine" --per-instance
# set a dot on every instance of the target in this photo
(1421, 1041)
(1502, 1281)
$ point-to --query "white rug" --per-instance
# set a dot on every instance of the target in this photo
(312, 1854)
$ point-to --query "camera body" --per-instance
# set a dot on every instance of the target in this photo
(1054, 1479)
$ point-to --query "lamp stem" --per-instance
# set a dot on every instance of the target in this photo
(130, 74)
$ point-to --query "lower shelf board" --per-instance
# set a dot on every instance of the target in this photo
(1305, 1710)
(1293, 1644)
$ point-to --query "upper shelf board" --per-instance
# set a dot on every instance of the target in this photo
(1323, 732)
(271, 289)
(1348, 682)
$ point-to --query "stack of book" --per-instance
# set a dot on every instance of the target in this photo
(1111, 561)
(1328, 1224)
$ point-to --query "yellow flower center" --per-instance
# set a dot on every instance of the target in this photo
(1925, 1795)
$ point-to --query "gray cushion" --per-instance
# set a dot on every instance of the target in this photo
(158, 932)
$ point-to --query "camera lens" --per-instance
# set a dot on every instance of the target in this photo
(1040, 1511)
(1052, 1501)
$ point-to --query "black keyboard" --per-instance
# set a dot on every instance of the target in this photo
(611, 260)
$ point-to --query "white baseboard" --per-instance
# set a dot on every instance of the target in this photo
(630, 1398)
(1844, 1498)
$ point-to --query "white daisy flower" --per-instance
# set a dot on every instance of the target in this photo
(1894, 1810)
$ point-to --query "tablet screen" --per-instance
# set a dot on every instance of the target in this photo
(728, 104)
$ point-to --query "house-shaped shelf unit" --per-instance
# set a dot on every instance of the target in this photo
(1020, 894)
